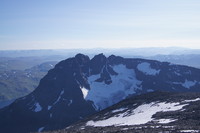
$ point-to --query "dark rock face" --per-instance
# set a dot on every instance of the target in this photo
(55, 103)
(72, 90)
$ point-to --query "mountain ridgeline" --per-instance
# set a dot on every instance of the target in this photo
(78, 87)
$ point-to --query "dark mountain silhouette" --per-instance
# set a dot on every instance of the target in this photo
(78, 87)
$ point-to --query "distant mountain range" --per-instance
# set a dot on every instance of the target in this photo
(22, 63)
(188, 60)
(79, 86)
(125, 52)
(28, 58)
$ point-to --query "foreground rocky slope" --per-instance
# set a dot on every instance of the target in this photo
(78, 87)
(153, 112)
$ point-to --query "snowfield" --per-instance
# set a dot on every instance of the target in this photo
(103, 95)
(140, 115)
(146, 69)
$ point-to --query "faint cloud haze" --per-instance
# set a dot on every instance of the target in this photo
(89, 24)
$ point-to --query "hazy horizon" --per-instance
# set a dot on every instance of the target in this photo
(104, 48)
(105, 24)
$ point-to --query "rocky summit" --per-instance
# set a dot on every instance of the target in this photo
(78, 87)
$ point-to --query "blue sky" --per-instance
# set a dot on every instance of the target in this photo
(64, 24)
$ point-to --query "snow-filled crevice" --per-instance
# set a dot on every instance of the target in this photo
(58, 99)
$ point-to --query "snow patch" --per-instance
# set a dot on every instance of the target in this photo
(189, 131)
(40, 129)
(140, 115)
(37, 107)
(193, 100)
(84, 92)
(70, 102)
(82, 128)
(150, 90)
(119, 110)
(49, 107)
(125, 129)
(165, 121)
(178, 74)
(146, 69)
(188, 84)
(74, 74)
(123, 84)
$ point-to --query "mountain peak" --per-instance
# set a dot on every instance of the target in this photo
(97, 63)
(79, 86)
(100, 57)
(82, 57)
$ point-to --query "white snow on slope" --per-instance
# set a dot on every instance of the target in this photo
(186, 84)
(84, 91)
(178, 74)
(146, 69)
(189, 131)
(37, 107)
(119, 110)
(40, 129)
(49, 107)
(123, 84)
(192, 100)
(165, 121)
(70, 102)
(140, 115)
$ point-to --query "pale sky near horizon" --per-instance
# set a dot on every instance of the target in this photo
(65, 24)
